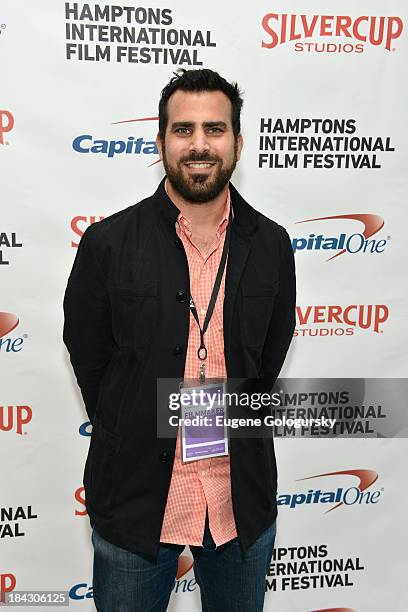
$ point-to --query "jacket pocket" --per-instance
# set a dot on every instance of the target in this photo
(99, 474)
(257, 309)
(134, 313)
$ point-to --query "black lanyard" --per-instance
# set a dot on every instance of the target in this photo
(202, 350)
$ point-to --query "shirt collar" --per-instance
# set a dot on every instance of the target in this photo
(185, 224)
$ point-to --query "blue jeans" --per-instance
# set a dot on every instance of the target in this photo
(229, 581)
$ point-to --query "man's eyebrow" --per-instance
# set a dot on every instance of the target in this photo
(205, 124)
(178, 124)
(215, 124)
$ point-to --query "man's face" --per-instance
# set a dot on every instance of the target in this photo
(199, 152)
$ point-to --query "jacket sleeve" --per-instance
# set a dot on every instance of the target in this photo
(283, 319)
(87, 330)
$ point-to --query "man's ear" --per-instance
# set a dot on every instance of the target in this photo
(159, 145)
(240, 144)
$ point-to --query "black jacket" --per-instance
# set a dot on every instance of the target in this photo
(126, 324)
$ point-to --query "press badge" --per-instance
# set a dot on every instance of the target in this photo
(203, 411)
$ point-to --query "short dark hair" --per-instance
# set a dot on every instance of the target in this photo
(200, 80)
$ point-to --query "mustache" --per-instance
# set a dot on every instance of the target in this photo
(197, 157)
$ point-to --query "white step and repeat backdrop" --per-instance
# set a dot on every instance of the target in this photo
(324, 123)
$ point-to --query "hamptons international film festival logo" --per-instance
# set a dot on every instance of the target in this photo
(319, 143)
(308, 567)
(8, 240)
(311, 567)
(307, 33)
(10, 344)
(13, 520)
(132, 34)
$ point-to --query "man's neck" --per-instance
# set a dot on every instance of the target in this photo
(205, 217)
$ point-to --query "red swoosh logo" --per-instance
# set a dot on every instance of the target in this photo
(366, 478)
(184, 565)
(334, 610)
(8, 322)
(371, 223)
(141, 119)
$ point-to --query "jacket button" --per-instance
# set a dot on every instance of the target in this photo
(181, 296)
(178, 243)
(164, 457)
(177, 350)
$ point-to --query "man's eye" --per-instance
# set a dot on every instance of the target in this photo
(182, 130)
(214, 129)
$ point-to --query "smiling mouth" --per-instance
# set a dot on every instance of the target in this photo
(200, 165)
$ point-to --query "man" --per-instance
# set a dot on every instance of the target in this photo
(190, 283)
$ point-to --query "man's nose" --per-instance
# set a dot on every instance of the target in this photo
(199, 142)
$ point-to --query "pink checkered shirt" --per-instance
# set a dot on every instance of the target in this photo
(207, 481)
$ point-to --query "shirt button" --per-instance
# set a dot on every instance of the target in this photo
(164, 457)
(181, 296)
(202, 311)
(178, 349)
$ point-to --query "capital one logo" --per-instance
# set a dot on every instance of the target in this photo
(80, 591)
(6, 125)
(128, 145)
(83, 591)
(184, 585)
(352, 243)
(8, 322)
(359, 493)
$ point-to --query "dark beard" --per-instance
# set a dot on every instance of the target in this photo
(199, 188)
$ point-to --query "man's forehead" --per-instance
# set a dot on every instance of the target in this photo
(199, 106)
